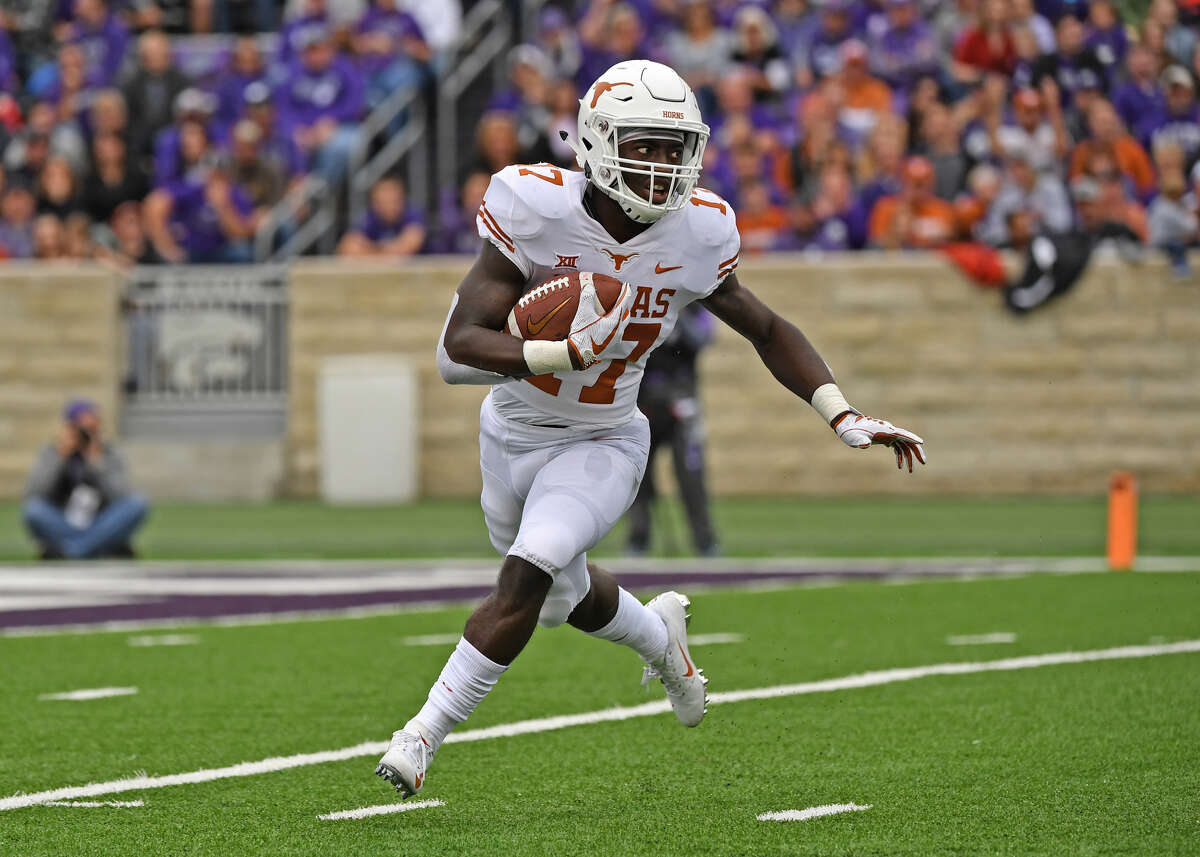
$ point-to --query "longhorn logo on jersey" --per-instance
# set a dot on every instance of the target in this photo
(618, 260)
(602, 87)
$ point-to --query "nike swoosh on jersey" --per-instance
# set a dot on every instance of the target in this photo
(659, 269)
(535, 327)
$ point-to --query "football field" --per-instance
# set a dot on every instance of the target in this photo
(1043, 713)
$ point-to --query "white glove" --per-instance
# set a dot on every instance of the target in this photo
(861, 431)
(593, 329)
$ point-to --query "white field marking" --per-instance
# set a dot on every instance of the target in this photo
(163, 640)
(432, 639)
(981, 639)
(714, 639)
(90, 693)
(96, 803)
(385, 809)
(811, 812)
(604, 715)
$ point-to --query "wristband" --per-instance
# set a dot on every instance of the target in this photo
(543, 358)
(828, 401)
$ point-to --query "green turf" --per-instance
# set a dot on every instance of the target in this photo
(747, 527)
(1085, 759)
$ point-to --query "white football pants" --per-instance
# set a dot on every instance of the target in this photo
(550, 494)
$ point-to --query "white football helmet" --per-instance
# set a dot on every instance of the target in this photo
(631, 99)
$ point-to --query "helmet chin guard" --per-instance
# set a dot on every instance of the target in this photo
(636, 98)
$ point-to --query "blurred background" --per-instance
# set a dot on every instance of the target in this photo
(232, 229)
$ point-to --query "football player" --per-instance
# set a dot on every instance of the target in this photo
(562, 444)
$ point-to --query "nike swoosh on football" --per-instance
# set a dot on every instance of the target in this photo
(535, 327)
(659, 269)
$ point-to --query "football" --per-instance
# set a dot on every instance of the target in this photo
(547, 310)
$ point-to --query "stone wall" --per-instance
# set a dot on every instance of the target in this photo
(1050, 404)
(59, 336)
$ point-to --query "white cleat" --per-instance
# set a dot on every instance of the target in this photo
(404, 763)
(685, 683)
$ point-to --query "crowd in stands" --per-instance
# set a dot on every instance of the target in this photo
(117, 144)
(837, 125)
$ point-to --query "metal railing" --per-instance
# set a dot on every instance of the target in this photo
(487, 50)
(206, 341)
(305, 216)
(365, 172)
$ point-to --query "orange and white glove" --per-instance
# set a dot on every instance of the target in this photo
(861, 432)
(592, 330)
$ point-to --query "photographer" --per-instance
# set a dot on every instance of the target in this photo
(77, 499)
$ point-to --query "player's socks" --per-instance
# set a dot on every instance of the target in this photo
(465, 680)
(636, 626)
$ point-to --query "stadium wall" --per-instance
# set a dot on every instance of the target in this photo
(59, 337)
(1048, 404)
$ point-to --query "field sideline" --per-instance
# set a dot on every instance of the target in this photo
(748, 527)
(960, 738)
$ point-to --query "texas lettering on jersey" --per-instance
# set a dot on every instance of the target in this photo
(531, 212)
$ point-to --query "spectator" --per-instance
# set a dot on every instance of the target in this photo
(115, 178)
(1106, 35)
(102, 38)
(496, 144)
(700, 50)
(173, 156)
(48, 238)
(987, 46)
(913, 218)
(1172, 224)
(391, 49)
(972, 206)
(78, 502)
(8, 63)
(1038, 199)
(246, 67)
(1179, 40)
(125, 244)
(1024, 14)
(938, 140)
(820, 55)
(152, 90)
(761, 222)
(610, 32)
(263, 180)
(109, 114)
(832, 212)
(1069, 61)
(1120, 208)
(1139, 96)
(312, 19)
(441, 23)
(1037, 129)
(17, 208)
(202, 220)
(320, 103)
(77, 236)
(70, 93)
(57, 190)
(390, 228)
(756, 50)
(1179, 120)
(865, 99)
(1108, 136)
(563, 107)
(458, 232)
(557, 39)
(905, 49)
(275, 146)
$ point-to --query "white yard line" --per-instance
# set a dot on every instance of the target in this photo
(811, 812)
(605, 715)
(385, 809)
(981, 639)
(714, 639)
(432, 639)
(124, 804)
(146, 640)
(89, 693)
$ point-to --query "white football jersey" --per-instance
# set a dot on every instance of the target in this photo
(534, 215)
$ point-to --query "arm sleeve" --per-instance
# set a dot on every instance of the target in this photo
(497, 218)
(46, 469)
(457, 373)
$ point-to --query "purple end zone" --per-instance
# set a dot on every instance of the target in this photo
(215, 605)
